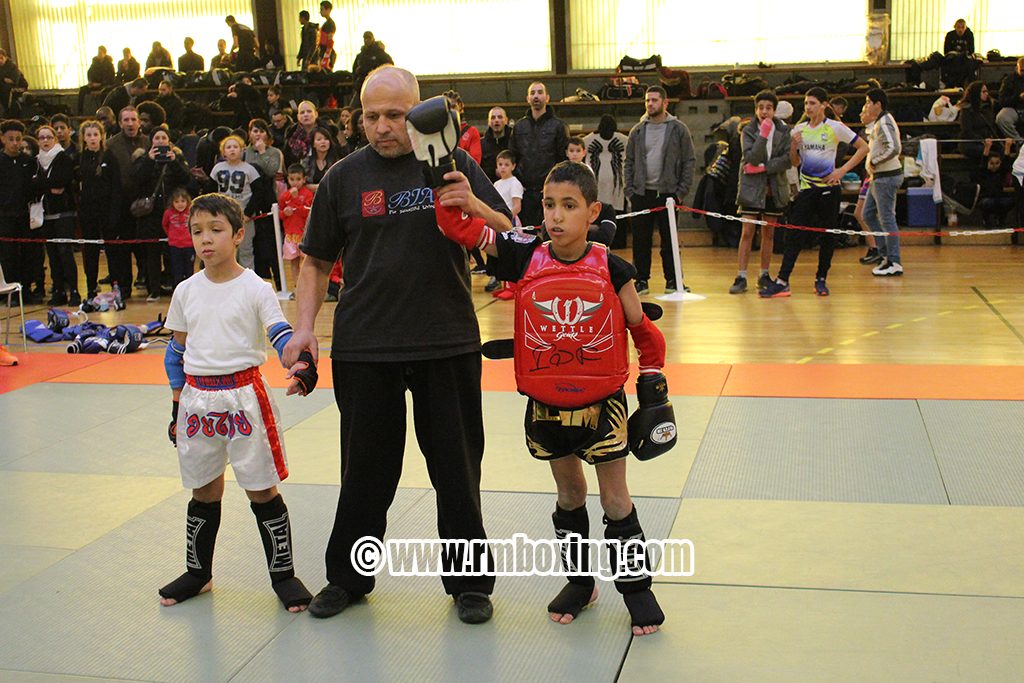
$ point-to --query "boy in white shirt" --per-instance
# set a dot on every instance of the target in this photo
(507, 185)
(219, 317)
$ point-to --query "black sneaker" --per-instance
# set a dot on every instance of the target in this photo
(764, 281)
(58, 299)
(641, 287)
(873, 256)
(739, 285)
(474, 608)
(330, 601)
(670, 287)
(105, 280)
(492, 284)
(75, 299)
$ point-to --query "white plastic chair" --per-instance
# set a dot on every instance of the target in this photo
(10, 289)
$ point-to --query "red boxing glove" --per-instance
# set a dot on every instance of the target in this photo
(650, 346)
(472, 233)
(766, 128)
(750, 169)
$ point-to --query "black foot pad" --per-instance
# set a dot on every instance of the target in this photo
(571, 599)
(292, 593)
(644, 609)
(184, 587)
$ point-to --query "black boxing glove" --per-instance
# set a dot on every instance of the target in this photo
(172, 429)
(306, 373)
(652, 426)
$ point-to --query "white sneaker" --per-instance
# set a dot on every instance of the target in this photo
(887, 268)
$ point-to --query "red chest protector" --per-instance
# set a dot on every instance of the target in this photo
(570, 331)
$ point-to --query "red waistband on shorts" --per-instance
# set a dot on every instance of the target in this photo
(217, 382)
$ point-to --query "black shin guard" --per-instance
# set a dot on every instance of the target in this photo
(577, 594)
(201, 527)
(575, 556)
(631, 561)
(276, 534)
(627, 560)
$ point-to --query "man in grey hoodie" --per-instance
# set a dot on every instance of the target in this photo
(659, 165)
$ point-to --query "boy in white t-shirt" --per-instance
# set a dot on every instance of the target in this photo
(219, 317)
(507, 185)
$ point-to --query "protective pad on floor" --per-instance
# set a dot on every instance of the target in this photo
(725, 633)
(959, 550)
(113, 626)
(979, 446)
(816, 449)
(412, 616)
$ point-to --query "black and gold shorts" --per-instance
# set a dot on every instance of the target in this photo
(596, 433)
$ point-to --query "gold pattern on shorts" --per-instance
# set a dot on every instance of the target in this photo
(582, 417)
(618, 436)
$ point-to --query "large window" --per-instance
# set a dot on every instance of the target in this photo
(920, 26)
(57, 39)
(431, 37)
(715, 33)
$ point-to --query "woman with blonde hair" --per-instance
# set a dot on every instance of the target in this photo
(99, 194)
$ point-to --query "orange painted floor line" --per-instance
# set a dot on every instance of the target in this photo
(965, 382)
(44, 367)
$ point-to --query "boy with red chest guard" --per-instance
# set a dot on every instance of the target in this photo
(575, 303)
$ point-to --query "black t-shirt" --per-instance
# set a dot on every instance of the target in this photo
(328, 27)
(246, 38)
(407, 288)
(515, 251)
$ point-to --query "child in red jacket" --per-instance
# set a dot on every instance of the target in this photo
(179, 239)
(294, 204)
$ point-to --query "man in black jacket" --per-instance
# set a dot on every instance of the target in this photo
(174, 107)
(100, 75)
(1011, 102)
(307, 41)
(958, 65)
(538, 140)
(120, 97)
(190, 61)
(370, 56)
(12, 84)
(159, 56)
(127, 68)
(494, 140)
(16, 171)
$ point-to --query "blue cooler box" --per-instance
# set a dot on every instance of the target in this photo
(921, 208)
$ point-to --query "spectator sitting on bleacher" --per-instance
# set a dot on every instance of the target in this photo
(128, 68)
(958, 62)
(190, 61)
(271, 58)
(173, 106)
(838, 105)
(977, 120)
(243, 99)
(222, 60)
(1011, 102)
(993, 177)
(12, 84)
(274, 103)
(159, 57)
(100, 75)
(121, 96)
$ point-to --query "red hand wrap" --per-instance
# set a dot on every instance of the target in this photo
(650, 345)
(750, 169)
(765, 128)
(472, 233)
